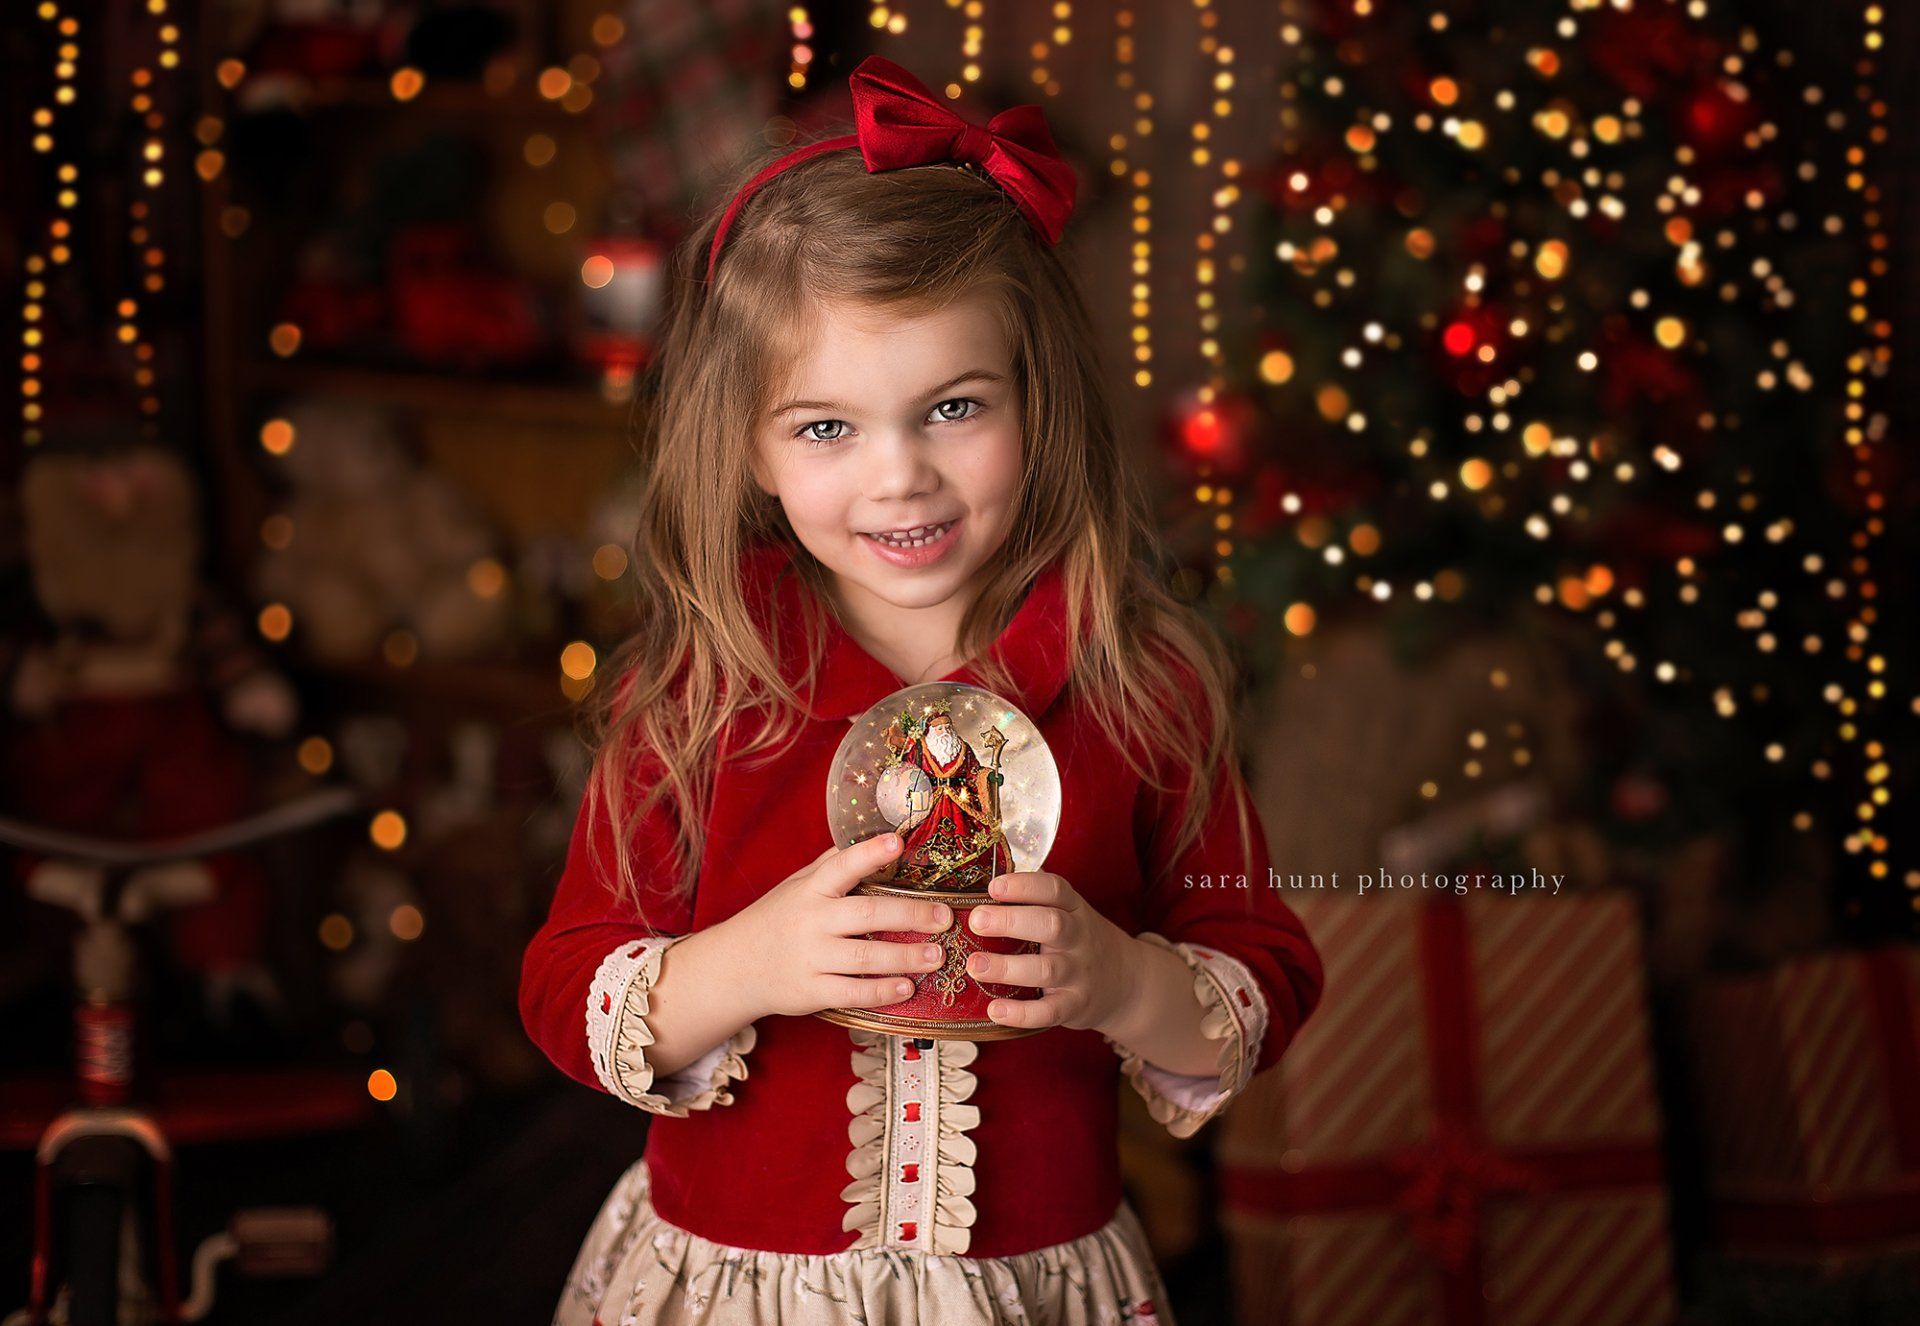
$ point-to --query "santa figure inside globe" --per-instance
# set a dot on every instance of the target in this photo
(944, 803)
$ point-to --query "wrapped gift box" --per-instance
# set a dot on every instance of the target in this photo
(1466, 1129)
(1809, 1087)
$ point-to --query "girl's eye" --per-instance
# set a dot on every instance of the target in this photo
(808, 435)
(957, 400)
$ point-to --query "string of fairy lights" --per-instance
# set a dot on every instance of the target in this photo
(57, 251)
(1208, 139)
(1866, 432)
(800, 49)
(1139, 177)
(1217, 56)
(1043, 47)
(140, 211)
(972, 39)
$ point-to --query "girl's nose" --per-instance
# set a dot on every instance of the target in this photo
(898, 466)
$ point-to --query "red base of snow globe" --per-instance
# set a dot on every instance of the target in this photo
(949, 1002)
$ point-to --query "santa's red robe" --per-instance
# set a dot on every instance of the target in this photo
(949, 826)
(760, 1155)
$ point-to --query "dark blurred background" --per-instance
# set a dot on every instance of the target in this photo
(1521, 384)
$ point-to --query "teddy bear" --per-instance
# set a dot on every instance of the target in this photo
(379, 544)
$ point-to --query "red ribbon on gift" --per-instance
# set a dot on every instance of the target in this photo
(1892, 999)
(1888, 1216)
(1445, 1178)
(1443, 1183)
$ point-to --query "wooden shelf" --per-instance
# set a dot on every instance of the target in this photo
(521, 101)
(532, 448)
(480, 690)
(532, 402)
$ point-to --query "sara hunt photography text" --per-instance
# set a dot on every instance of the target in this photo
(1368, 881)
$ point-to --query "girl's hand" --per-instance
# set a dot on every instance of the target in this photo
(1081, 965)
(800, 943)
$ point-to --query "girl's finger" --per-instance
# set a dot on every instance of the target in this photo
(1033, 886)
(1039, 970)
(1042, 1012)
(856, 992)
(879, 956)
(873, 913)
(849, 865)
(862, 914)
(1042, 925)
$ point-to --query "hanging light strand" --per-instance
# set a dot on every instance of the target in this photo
(57, 251)
(972, 38)
(1043, 47)
(141, 212)
(800, 47)
(1131, 165)
(1866, 436)
(1217, 57)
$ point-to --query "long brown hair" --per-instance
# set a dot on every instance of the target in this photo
(909, 241)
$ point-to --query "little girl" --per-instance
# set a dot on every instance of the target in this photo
(879, 454)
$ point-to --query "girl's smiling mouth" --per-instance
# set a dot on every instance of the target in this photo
(918, 546)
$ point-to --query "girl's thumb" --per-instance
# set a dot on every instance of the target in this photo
(862, 859)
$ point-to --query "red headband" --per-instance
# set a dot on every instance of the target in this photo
(899, 123)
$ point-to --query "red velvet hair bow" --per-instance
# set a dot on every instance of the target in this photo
(899, 123)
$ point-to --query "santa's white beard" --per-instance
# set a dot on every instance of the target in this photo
(944, 742)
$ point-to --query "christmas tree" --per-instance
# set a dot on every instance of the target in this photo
(1572, 320)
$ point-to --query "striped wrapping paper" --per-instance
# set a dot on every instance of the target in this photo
(1809, 1084)
(1465, 1131)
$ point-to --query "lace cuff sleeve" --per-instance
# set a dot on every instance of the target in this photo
(1236, 1017)
(618, 1035)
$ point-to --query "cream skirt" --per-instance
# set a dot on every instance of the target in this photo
(635, 1269)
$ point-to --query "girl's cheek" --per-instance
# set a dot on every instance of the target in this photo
(1003, 467)
(816, 499)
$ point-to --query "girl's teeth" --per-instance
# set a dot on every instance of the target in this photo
(925, 534)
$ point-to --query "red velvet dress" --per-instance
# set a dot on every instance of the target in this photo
(795, 1169)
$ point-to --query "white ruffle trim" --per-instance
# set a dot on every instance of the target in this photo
(895, 1201)
(617, 1037)
(1236, 1016)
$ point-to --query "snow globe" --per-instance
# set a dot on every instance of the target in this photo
(968, 783)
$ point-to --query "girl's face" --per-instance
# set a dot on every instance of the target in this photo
(895, 450)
